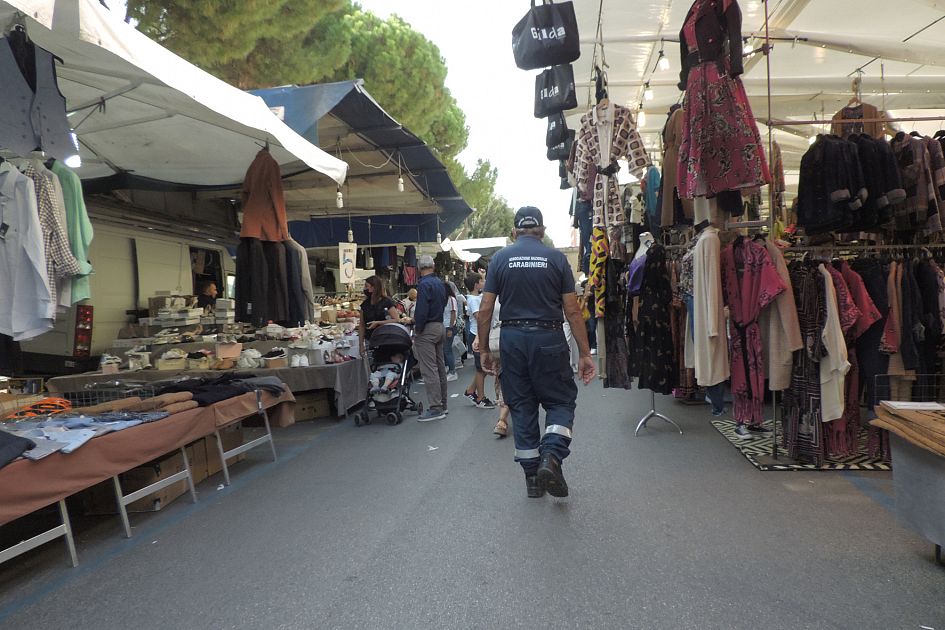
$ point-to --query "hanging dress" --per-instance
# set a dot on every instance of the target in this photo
(750, 283)
(654, 338)
(801, 418)
(721, 148)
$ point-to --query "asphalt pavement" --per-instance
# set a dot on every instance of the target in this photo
(426, 525)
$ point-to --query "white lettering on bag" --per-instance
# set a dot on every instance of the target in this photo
(550, 92)
(548, 33)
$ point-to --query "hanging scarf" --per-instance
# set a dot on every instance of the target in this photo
(600, 249)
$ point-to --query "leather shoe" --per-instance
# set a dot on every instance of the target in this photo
(549, 474)
(535, 488)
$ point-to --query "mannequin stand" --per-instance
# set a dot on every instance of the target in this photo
(653, 413)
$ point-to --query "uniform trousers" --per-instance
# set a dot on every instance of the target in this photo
(536, 370)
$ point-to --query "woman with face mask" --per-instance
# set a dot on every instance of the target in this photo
(376, 308)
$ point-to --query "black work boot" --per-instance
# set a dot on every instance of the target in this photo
(549, 474)
(535, 488)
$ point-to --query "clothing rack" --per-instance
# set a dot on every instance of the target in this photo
(653, 413)
(776, 122)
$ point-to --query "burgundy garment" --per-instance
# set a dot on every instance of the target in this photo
(869, 315)
(721, 147)
(841, 437)
(747, 293)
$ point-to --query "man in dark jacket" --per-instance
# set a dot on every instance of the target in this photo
(430, 335)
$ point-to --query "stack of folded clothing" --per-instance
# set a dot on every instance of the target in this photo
(206, 391)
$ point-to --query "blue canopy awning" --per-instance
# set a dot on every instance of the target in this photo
(441, 209)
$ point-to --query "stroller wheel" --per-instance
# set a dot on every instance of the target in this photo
(400, 417)
(392, 418)
(357, 419)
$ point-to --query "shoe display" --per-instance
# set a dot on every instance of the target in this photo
(551, 477)
(534, 487)
(431, 415)
(742, 433)
(294, 361)
(303, 360)
(760, 429)
(485, 403)
(452, 376)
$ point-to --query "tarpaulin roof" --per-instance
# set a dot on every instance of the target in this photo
(344, 119)
(139, 110)
(819, 47)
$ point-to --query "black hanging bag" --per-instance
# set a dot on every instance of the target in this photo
(546, 36)
(555, 91)
(562, 151)
(557, 130)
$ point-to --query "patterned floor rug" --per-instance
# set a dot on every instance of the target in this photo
(758, 452)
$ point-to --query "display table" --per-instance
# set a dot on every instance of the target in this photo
(27, 486)
(349, 380)
(919, 482)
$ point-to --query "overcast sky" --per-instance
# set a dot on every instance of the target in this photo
(498, 98)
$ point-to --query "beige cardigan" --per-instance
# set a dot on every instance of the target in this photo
(780, 330)
(835, 365)
(710, 341)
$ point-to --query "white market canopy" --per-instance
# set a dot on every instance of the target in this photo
(139, 109)
(820, 46)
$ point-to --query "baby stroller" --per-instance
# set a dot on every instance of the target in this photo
(385, 343)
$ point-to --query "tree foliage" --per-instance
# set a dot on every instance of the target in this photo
(492, 215)
(263, 43)
(232, 39)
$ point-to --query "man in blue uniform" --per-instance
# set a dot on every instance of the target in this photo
(535, 286)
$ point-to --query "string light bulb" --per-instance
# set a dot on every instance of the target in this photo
(812, 140)
(350, 235)
(439, 237)
(400, 184)
(339, 200)
(641, 117)
(647, 91)
(663, 61)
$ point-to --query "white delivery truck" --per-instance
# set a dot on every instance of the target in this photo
(136, 253)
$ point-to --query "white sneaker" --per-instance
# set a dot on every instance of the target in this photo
(294, 361)
(303, 360)
(452, 376)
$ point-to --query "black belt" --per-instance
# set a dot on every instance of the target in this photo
(533, 323)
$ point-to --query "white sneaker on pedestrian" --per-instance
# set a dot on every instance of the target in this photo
(452, 376)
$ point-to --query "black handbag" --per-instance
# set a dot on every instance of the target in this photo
(562, 151)
(546, 36)
(557, 130)
(555, 91)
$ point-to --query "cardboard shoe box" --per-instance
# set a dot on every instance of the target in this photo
(100, 499)
(314, 404)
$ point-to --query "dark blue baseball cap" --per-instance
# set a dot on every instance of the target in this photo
(528, 217)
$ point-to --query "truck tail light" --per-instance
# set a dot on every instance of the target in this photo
(82, 347)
